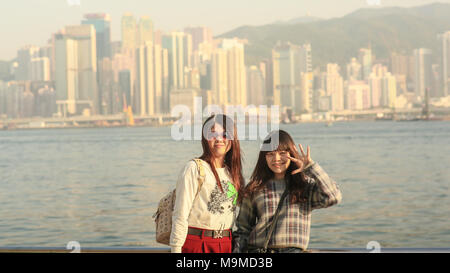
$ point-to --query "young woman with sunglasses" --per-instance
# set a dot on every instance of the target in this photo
(202, 219)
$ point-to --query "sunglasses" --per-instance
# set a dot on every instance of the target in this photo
(212, 135)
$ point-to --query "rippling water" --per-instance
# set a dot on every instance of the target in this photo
(100, 187)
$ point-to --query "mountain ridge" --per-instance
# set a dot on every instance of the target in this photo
(386, 30)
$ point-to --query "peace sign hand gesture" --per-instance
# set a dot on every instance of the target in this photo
(303, 161)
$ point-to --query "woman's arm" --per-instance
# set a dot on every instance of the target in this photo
(245, 223)
(187, 186)
(324, 192)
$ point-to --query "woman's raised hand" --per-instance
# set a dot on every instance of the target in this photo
(303, 161)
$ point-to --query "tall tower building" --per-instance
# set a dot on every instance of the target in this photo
(76, 69)
(219, 77)
(334, 87)
(179, 48)
(40, 69)
(304, 102)
(174, 43)
(199, 35)
(145, 80)
(402, 67)
(423, 71)
(24, 57)
(305, 56)
(237, 74)
(444, 48)
(145, 31)
(353, 70)
(129, 35)
(102, 25)
(365, 59)
(287, 75)
(383, 87)
(256, 92)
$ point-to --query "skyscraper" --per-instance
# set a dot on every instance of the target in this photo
(304, 102)
(255, 86)
(145, 80)
(237, 74)
(357, 95)
(354, 70)
(383, 87)
(305, 62)
(40, 69)
(145, 31)
(199, 35)
(76, 70)
(219, 77)
(24, 57)
(175, 45)
(365, 59)
(102, 25)
(423, 71)
(129, 35)
(287, 76)
(335, 87)
(444, 49)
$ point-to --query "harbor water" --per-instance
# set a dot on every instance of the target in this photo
(100, 187)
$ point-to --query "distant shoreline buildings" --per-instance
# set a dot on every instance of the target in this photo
(81, 71)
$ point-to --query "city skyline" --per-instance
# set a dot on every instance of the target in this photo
(82, 70)
(52, 16)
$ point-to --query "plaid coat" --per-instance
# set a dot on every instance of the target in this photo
(293, 226)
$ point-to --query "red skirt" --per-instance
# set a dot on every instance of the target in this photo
(205, 244)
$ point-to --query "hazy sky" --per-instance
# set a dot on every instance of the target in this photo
(25, 22)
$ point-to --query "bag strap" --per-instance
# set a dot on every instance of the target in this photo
(274, 220)
(201, 172)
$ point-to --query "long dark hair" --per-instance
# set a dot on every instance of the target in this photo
(262, 173)
(233, 159)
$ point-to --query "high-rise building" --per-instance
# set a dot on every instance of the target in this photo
(304, 99)
(107, 84)
(102, 25)
(175, 43)
(145, 80)
(129, 34)
(165, 81)
(125, 87)
(305, 62)
(365, 59)
(267, 69)
(152, 82)
(145, 31)
(402, 67)
(353, 70)
(256, 91)
(219, 77)
(287, 69)
(383, 87)
(76, 70)
(423, 72)
(3, 91)
(199, 35)
(335, 87)
(40, 69)
(444, 49)
(357, 95)
(24, 57)
(186, 97)
(237, 73)
(14, 99)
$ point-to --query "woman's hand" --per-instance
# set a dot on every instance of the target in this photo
(301, 162)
